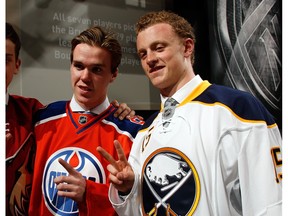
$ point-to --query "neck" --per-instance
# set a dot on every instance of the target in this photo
(171, 90)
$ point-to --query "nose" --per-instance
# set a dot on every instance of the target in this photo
(151, 59)
(85, 74)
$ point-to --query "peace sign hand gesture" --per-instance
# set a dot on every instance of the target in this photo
(121, 173)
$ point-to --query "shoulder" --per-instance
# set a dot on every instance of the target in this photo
(52, 109)
(25, 102)
(150, 120)
(242, 103)
(131, 125)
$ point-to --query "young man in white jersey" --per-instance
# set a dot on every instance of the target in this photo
(215, 151)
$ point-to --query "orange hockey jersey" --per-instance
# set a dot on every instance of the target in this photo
(74, 137)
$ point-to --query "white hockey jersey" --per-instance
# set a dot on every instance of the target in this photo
(219, 156)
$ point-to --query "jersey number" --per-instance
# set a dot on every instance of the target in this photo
(277, 160)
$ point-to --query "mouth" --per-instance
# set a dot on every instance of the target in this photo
(84, 88)
(154, 69)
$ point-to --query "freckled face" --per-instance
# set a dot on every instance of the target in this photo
(91, 74)
(162, 55)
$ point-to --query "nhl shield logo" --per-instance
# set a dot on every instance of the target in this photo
(169, 177)
(84, 162)
(82, 119)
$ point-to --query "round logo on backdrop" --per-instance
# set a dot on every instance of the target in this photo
(82, 161)
(248, 36)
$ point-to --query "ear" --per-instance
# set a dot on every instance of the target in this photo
(189, 47)
(114, 75)
(17, 65)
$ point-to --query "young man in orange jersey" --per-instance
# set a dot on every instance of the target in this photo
(70, 176)
(20, 140)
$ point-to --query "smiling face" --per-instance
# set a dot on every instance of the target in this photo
(91, 75)
(165, 57)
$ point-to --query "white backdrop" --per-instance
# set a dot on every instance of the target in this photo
(46, 28)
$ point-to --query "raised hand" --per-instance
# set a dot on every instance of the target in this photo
(124, 111)
(73, 185)
(121, 173)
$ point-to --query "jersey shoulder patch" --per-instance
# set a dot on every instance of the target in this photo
(240, 102)
(53, 109)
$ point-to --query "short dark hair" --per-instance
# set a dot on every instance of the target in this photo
(12, 35)
(96, 36)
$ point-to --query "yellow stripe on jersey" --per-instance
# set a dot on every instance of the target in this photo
(234, 114)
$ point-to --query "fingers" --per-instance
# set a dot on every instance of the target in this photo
(113, 175)
(63, 186)
(139, 117)
(72, 172)
(120, 152)
(108, 157)
(123, 111)
(73, 185)
(121, 173)
(74, 191)
(130, 114)
(119, 165)
(115, 103)
(67, 166)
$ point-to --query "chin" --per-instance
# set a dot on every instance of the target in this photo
(157, 81)
(81, 98)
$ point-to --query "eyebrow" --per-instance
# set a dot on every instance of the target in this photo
(140, 51)
(93, 65)
(9, 56)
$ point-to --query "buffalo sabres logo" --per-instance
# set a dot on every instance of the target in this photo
(84, 162)
(171, 184)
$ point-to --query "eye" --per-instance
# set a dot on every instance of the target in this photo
(78, 66)
(8, 59)
(96, 69)
(142, 55)
(159, 48)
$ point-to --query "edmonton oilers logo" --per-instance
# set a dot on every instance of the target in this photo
(82, 161)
